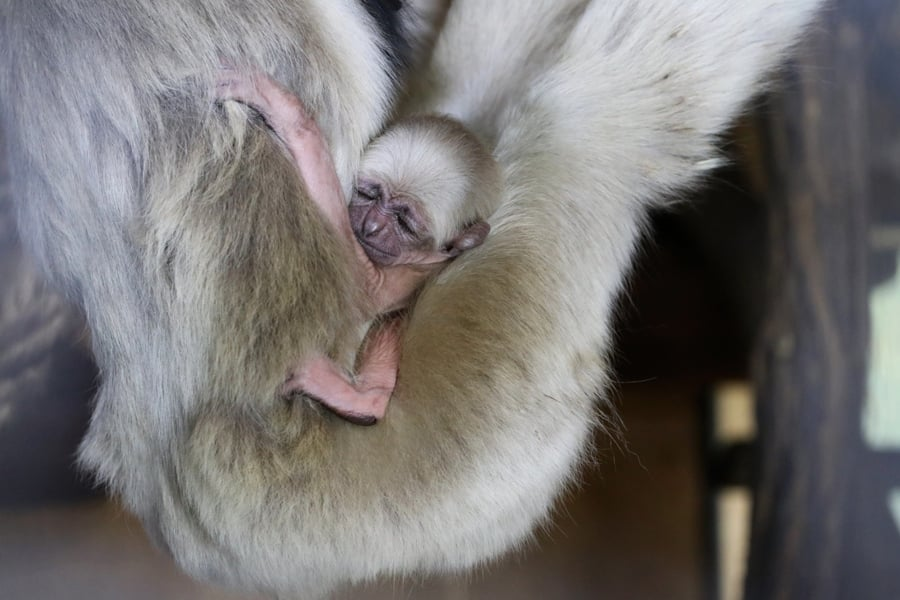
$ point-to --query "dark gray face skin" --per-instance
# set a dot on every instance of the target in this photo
(395, 229)
(390, 228)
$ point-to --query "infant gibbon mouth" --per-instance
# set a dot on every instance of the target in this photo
(377, 255)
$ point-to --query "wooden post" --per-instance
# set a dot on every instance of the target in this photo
(822, 525)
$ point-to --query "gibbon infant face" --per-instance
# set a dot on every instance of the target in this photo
(423, 190)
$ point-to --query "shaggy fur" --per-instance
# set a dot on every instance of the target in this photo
(205, 272)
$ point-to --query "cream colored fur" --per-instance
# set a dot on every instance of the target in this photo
(205, 273)
(439, 163)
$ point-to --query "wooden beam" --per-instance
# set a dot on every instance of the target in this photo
(822, 525)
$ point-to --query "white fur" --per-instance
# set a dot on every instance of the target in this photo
(619, 110)
(440, 164)
(595, 109)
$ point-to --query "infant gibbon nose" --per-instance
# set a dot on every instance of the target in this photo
(375, 222)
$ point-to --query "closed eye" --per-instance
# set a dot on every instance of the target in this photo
(405, 226)
(405, 223)
(371, 192)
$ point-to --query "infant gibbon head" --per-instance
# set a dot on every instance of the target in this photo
(423, 193)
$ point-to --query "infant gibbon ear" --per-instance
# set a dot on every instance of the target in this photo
(471, 236)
